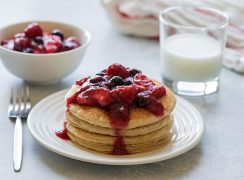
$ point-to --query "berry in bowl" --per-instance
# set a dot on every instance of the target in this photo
(42, 52)
(35, 40)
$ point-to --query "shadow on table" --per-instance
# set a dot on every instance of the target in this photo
(174, 168)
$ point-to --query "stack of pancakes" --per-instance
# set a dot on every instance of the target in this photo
(89, 127)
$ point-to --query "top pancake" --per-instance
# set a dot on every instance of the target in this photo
(138, 116)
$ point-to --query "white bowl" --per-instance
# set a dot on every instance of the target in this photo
(43, 68)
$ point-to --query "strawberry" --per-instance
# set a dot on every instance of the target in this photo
(158, 91)
(39, 50)
(155, 107)
(52, 43)
(71, 43)
(94, 96)
(86, 100)
(140, 88)
(124, 94)
(82, 81)
(21, 43)
(142, 80)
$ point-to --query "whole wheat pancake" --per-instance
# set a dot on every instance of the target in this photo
(119, 111)
(109, 140)
(138, 116)
(79, 123)
(131, 148)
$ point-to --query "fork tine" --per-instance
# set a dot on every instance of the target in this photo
(20, 104)
(11, 104)
(27, 100)
(17, 102)
(22, 101)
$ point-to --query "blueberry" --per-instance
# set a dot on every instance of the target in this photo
(38, 40)
(142, 101)
(28, 50)
(116, 81)
(59, 33)
(17, 47)
(128, 81)
(102, 73)
(96, 79)
(133, 72)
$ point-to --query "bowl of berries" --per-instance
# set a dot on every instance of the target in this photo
(42, 52)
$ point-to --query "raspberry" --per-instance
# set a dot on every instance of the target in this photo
(124, 94)
(117, 70)
(33, 30)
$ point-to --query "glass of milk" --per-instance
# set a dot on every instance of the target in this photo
(192, 41)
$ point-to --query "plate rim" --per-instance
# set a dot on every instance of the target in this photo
(153, 159)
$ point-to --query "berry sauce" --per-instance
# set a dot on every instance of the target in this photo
(63, 134)
(119, 145)
(118, 90)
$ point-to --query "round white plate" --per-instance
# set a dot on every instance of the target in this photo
(48, 116)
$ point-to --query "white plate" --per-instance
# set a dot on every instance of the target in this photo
(48, 116)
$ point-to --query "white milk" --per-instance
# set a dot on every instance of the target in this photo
(191, 57)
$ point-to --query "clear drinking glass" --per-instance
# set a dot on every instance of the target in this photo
(192, 41)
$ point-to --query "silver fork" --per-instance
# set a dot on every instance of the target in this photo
(18, 109)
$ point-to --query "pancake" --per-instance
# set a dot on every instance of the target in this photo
(79, 123)
(80, 138)
(109, 140)
(138, 116)
(131, 148)
(90, 126)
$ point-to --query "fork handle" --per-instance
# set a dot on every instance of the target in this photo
(17, 157)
